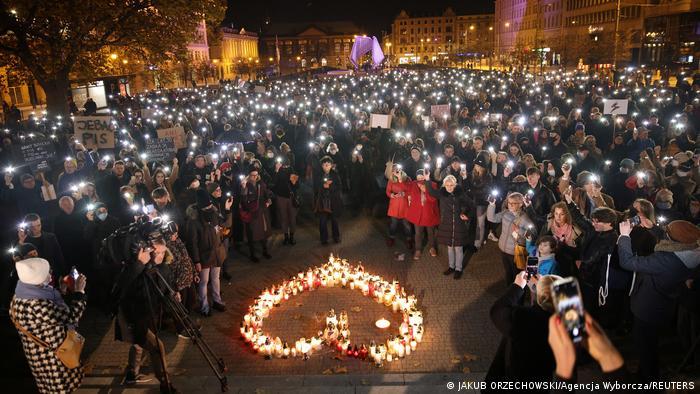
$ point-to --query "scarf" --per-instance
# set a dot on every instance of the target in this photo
(563, 233)
(24, 291)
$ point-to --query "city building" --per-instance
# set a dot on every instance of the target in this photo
(672, 34)
(236, 54)
(447, 39)
(568, 32)
(309, 45)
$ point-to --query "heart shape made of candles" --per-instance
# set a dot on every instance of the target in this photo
(336, 273)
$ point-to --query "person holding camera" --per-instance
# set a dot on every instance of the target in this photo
(45, 321)
(139, 307)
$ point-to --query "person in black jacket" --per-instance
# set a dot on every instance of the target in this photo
(598, 266)
(523, 354)
(68, 225)
(139, 308)
(206, 248)
(109, 183)
(328, 200)
(455, 208)
(286, 192)
(659, 280)
(100, 224)
(46, 243)
(538, 198)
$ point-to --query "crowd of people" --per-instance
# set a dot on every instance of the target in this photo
(533, 163)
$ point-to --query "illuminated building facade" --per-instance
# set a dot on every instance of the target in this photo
(309, 45)
(447, 39)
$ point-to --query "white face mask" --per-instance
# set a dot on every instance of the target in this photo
(682, 173)
(270, 155)
(551, 172)
(624, 170)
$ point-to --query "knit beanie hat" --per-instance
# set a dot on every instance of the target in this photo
(33, 271)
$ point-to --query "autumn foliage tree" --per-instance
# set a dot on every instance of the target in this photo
(60, 40)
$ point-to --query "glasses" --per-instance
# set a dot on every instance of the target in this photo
(514, 203)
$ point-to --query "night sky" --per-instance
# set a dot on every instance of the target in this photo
(374, 16)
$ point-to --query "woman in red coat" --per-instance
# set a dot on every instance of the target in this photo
(398, 205)
(424, 213)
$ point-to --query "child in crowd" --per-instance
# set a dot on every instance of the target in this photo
(544, 250)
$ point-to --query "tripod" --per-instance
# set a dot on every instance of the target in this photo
(178, 312)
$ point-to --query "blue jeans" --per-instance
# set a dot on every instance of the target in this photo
(480, 232)
(324, 218)
(455, 255)
(209, 276)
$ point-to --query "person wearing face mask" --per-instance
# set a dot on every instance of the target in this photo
(100, 224)
(206, 248)
(664, 206)
(43, 315)
(616, 187)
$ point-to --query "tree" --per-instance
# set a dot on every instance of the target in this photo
(56, 40)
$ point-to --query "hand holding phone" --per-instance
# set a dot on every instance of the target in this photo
(568, 303)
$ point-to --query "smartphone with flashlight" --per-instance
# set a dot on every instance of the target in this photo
(568, 302)
(531, 268)
(74, 273)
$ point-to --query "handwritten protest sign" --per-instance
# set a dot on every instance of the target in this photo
(160, 149)
(94, 132)
(177, 134)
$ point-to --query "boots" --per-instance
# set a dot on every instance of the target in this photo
(264, 251)
(291, 239)
(253, 258)
(286, 239)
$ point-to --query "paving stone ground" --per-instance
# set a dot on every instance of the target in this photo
(455, 311)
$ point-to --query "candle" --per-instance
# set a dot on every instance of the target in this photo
(382, 323)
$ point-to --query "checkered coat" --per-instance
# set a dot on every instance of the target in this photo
(48, 320)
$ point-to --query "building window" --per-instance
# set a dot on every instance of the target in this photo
(15, 93)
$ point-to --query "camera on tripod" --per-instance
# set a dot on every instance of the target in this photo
(144, 231)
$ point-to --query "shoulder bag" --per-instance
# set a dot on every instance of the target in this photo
(68, 351)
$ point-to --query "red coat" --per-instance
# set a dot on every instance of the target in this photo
(426, 214)
(398, 205)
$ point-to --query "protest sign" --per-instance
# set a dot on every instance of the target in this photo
(439, 111)
(160, 149)
(177, 134)
(94, 132)
(615, 107)
(379, 120)
(37, 153)
(259, 89)
(149, 113)
(495, 117)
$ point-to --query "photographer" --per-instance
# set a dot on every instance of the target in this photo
(140, 306)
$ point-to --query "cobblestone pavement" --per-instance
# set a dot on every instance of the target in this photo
(455, 311)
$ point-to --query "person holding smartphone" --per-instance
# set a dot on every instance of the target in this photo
(42, 315)
(523, 354)
(658, 283)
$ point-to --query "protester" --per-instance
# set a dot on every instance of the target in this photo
(523, 354)
(43, 318)
(514, 225)
(397, 191)
(659, 281)
(328, 200)
(423, 213)
(452, 231)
